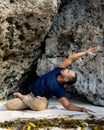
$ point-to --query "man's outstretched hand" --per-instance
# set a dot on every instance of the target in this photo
(87, 110)
(92, 51)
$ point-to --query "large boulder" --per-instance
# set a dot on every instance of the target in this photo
(23, 26)
(78, 27)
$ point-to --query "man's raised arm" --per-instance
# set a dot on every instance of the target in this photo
(76, 56)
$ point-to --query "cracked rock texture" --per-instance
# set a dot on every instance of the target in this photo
(36, 35)
(23, 26)
(79, 26)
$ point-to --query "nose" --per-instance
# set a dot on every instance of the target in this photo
(66, 70)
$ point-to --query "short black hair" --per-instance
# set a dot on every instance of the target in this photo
(72, 80)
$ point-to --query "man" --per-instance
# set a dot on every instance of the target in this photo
(51, 84)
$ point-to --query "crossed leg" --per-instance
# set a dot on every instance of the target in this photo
(16, 103)
(25, 101)
(19, 95)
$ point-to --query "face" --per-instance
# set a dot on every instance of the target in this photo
(67, 74)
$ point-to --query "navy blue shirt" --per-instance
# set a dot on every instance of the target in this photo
(48, 86)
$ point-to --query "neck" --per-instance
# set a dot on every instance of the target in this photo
(60, 79)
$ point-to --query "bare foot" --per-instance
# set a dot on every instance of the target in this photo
(18, 95)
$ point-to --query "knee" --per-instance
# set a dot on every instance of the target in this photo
(40, 104)
(40, 107)
(9, 105)
(36, 104)
(15, 104)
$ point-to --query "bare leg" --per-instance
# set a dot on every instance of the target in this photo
(25, 101)
(19, 95)
(35, 103)
(16, 104)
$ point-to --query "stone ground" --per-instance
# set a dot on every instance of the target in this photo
(55, 109)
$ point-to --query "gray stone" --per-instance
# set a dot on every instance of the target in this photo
(55, 110)
(78, 27)
(23, 26)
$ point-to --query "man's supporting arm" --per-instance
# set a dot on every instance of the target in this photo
(69, 106)
(76, 56)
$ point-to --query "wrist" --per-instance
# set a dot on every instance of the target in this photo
(86, 53)
(82, 109)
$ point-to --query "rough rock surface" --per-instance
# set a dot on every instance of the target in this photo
(23, 26)
(79, 26)
(55, 110)
(25, 34)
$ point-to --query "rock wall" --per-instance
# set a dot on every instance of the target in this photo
(79, 26)
(34, 40)
(23, 26)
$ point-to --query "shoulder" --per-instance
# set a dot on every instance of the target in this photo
(58, 68)
(54, 71)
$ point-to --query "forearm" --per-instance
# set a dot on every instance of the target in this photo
(77, 56)
(72, 59)
(72, 107)
(69, 106)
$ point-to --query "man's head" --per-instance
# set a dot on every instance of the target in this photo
(69, 76)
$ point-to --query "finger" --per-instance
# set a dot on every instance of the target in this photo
(99, 47)
(39, 97)
(96, 49)
(94, 54)
(90, 111)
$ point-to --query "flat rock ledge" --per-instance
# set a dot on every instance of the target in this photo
(54, 110)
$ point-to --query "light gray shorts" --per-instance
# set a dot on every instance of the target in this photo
(36, 103)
